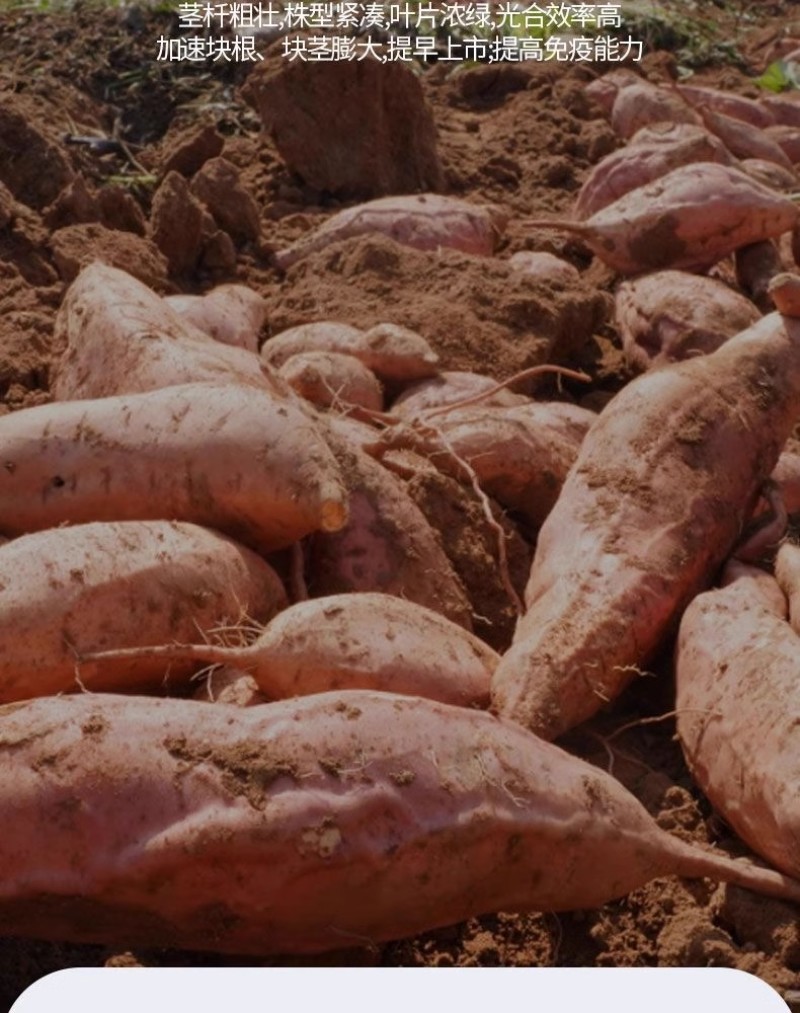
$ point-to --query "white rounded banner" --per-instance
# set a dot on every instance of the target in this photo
(398, 990)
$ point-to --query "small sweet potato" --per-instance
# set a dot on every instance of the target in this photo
(737, 675)
(664, 482)
(229, 456)
(737, 106)
(652, 153)
(297, 826)
(424, 221)
(786, 476)
(120, 338)
(603, 90)
(232, 314)
(546, 267)
(744, 140)
(671, 315)
(333, 379)
(448, 388)
(690, 218)
(769, 174)
(639, 103)
(387, 544)
(93, 587)
(350, 641)
(787, 574)
(391, 352)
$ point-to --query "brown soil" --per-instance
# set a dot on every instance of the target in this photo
(519, 137)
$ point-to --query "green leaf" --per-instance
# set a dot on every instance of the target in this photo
(778, 77)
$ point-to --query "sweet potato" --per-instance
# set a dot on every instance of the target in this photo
(652, 153)
(737, 674)
(333, 379)
(665, 479)
(93, 587)
(756, 265)
(300, 826)
(120, 338)
(603, 90)
(390, 351)
(671, 315)
(744, 140)
(788, 138)
(545, 267)
(424, 221)
(639, 103)
(449, 387)
(386, 544)
(737, 106)
(690, 218)
(769, 174)
(783, 109)
(786, 476)
(784, 290)
(228, 456)
(232, 314)
(351, 641)
(787, 574)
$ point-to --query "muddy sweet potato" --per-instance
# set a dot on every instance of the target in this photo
(94, 587)
(652, 153)
(744, 140)
(232, 314)
(229, 456)
(671, 315)
(639, 103)
(424, 221)
(664, 482)
(119, 337)
(350, 641)
(737, 106)
(690, 218)
(299, 826)
(331, 379)
(545, 267)
(391, 352)
(387, 544)
(737, 677)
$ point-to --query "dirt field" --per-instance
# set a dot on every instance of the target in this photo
(518, 136)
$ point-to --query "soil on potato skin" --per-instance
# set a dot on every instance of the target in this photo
(522, 139)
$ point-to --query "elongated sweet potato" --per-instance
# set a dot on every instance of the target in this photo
(229, 456)
(663, 484)
(788, 138)
(333, 379)
(351, 641)
(424, 221)
(671, 315)
(387, 544)
(737, 674)
(652, 153)
(120, 338)
(390, 351)
(299, 826)
(232, 314)
(783, 108)
(744, 140)
(94, 587)
(690, 218)
(737, 106)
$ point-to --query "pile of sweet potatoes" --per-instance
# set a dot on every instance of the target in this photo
(196, 498)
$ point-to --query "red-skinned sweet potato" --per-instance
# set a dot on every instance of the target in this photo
(391, 352)
(121, 338)
(744, 140)
(424, 221)
(658, 497)
(300, 826)
(738, 706)
(449, 387)
(737, 106)
(651, 153)
(690, 218)
(232, 314)
(787, 574)
(230, 456)
(93, 587)
(640, 103)
(351, 641)
(331, 379)
(671, 315)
